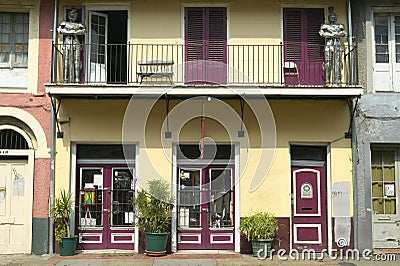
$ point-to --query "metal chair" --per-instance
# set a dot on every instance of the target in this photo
(290, 70)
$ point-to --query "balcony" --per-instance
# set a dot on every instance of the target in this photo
(280, 66)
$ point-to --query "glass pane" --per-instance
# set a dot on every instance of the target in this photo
(388, 157)
(389, 173)
(122, 193)
(5, 28)
(390, 189)
(381, 38)
(376, 172)
(102, 30)
(5, 48)
(5, 18)
(221, 212)
(377, 205)
(377, 190)
(91, 201)
(382, 49)
(21, 59)
(4, 58)
(189, 196)
(95, 19)
(102, 20)
(390, 206)
(382, 58)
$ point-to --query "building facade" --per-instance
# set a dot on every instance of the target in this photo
(376, 29)
(231, 102)
(25, 49)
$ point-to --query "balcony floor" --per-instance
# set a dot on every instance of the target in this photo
(127, 91)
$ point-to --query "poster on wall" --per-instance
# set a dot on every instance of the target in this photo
(389, 190)
(89, 197)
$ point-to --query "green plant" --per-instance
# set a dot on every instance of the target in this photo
(260, 225)
(154, 207)
(62, 211)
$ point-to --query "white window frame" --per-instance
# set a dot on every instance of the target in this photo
(389, 84)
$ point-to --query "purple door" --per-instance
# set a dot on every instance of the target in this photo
(205, 45)
(303, 45)
(105, 214)
(309, 208)
(206, 208)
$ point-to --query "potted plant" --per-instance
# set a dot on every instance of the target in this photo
(62, 211)
(260, 228)
(153, 212)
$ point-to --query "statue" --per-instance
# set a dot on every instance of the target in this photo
(333, 48)
(72, 47)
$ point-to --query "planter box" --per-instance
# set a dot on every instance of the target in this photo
(67, 246)
(265, 245)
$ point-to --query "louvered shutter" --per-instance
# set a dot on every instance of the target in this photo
(315, 42)
(195, 33)
(216, 31)
(302, 43)
(292, 31)
(205, 44)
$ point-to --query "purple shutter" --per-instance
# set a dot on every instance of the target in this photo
(205, 45)
(303, 44)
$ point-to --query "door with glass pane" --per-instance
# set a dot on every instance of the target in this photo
(206, 207)
(386, 68)
(104, 204)
(98, 23)
(385, 203)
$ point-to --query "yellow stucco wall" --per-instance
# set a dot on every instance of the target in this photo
(309, 121)
(32, 7)
(305, 122)
(250, 21)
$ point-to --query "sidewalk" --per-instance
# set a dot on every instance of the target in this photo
(114, 259)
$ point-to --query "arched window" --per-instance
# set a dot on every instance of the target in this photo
(11, 139)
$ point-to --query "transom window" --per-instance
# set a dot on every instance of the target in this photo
(14, 36)
(10, 139)
(383, 176)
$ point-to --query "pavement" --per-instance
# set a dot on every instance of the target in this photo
(182, 259)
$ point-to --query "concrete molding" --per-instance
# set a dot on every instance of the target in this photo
(42, 151)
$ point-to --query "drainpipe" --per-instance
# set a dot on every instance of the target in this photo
(52, 132)
(353, 132)
(350, 33)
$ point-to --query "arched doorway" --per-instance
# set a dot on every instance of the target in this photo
(16, 190)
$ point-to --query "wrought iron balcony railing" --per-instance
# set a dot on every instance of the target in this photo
(195, 64)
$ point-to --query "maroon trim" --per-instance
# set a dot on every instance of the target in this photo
(106, 200)
(205, 231)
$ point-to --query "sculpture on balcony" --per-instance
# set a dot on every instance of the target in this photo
(333, 64)
(72, 47)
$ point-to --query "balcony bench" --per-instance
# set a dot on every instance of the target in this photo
(155, 69)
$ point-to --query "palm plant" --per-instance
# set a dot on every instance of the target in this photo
(62, 211)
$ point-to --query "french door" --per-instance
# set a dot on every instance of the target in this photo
(97, 59)
(206, 207)
(205, 45)
(105, 213)
(303, 45)
(386, 70)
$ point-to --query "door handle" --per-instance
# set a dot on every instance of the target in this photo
(387, 218)
(204, 209)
